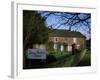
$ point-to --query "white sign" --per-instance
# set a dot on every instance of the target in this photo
(36, 54)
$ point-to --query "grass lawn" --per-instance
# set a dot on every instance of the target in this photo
(86, 61)
(59, 54)
(63, 59)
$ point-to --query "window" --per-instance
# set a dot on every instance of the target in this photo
(74, 40)
(56, 39)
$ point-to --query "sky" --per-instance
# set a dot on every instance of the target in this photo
(55, 21)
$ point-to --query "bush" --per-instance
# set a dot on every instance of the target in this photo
(59, 54)
(52, 52)
(50, 58)
(88, 51)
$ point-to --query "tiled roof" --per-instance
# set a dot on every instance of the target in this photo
(65, 33)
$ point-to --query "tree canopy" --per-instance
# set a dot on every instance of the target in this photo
(34, 29)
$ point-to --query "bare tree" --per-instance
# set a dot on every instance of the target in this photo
(69, 20)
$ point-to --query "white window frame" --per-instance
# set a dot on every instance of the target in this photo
(74, 40)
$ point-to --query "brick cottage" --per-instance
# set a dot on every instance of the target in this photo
(64, 39)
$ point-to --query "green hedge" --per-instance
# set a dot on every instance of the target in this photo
(59, 54)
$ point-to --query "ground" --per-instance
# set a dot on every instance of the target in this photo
(61, 59)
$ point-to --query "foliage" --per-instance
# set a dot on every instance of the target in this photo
(59, 54)
(86, 61)
(51, 58)
(34, 29)
(49, 45)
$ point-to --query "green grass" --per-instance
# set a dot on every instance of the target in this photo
(65, 59)
(86, 61)
(59, 54)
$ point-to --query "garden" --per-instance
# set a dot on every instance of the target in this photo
(61, 59)
(37, 29)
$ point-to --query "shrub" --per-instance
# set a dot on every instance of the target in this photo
(59, 54)
(50, 58)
